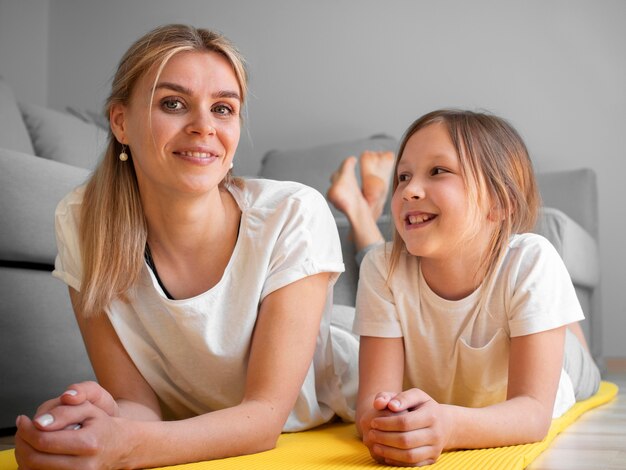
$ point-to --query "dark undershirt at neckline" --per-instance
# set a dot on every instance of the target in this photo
(148, 257)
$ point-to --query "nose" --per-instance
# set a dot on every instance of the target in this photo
(413, 190)
(201, 123)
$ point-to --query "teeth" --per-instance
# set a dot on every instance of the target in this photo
(195, 154)
(418, 219)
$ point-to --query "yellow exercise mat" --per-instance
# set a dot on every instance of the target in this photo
(336, 447)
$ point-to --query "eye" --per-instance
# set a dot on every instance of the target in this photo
(172, 104)
(403, 177)
(438, 171)
(223, 110)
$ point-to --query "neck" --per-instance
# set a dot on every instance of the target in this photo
(188, 223)
(460, 273)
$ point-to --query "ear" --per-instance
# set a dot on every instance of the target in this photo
(496, 214)
(117, 118)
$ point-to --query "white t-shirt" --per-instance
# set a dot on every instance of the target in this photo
(194, 352)
(455, 353)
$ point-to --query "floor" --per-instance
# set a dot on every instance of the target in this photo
(596, 441)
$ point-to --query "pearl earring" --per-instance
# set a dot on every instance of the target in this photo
(231, 165)
(123, 154)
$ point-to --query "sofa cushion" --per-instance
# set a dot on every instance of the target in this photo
(313, 166)
(30, 188)
(13, 132)
(577, 247)
(41, 350)
(87, 115)
(575, 193)
(64, 138)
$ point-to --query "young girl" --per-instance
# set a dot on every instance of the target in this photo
(467, 322)
(203, 300)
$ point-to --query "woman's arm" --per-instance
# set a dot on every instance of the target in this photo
(281, 352)
(427, 428)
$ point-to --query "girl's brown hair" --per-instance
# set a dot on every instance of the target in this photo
(497, 172)
(113, 230)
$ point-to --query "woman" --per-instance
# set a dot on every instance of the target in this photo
(202, 299)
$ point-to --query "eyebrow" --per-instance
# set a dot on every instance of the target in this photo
(184, 90)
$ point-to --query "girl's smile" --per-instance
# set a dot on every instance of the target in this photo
(430, 205)
(413, 220)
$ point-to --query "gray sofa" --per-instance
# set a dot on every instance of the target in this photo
(45, 153)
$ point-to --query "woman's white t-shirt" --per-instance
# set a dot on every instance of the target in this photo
(455, 352)
(194, 352)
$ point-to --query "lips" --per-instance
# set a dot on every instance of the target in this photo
(418, 219)
(196, 154)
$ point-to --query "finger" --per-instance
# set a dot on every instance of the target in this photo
(60, 442)
(401, 440)
(28, 458)
(381, 400)
(396, 463)
(407, 399)
(48, 405)
(403, 421)
(66, 417)
(405, 457)
(92, 392)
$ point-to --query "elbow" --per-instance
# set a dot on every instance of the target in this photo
(268, 440)
(267, 434)
(541, 429)
(538, 429)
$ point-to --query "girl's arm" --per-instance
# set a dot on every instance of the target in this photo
(281, 352)
(426, 427)
(381, 370)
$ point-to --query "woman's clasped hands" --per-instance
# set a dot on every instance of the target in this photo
(406, 429)
(71, 431)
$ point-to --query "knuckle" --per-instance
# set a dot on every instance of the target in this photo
(90, 444)
(404, 422)
(406, 442)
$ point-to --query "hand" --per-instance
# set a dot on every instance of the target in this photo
(379, 409)
(413, 432)
(99, 443)
(77, 394)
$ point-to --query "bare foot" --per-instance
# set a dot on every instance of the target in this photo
(345, 194)
(376, 168)
(344, 191)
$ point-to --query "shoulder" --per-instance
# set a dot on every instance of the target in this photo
(529, 248)
(68, 209)
(265, 193)
(378, 258)
(377, 262)
(533, 259)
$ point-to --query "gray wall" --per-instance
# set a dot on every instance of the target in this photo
(24, 48)
(330, 70)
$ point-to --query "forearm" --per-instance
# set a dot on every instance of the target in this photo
(247, 428)
(518, 420)
(136, 411)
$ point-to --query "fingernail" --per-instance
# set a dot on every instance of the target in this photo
(70, 392)
(395, 403)
(17, 421)
(45, 420)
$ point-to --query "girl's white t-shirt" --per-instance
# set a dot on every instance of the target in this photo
(194, 352)
(455, 352)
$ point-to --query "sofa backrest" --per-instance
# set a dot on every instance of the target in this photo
(13, 132)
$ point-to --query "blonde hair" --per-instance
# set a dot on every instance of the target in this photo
(113, 229)
(498, 176)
